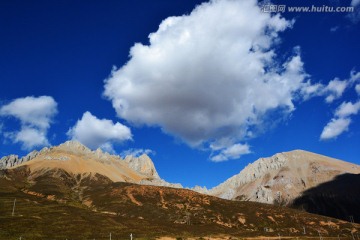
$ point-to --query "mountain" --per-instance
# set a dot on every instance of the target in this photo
(61, 205)
(282, 177)
(287, 176)
(71, 192)
(74, 158)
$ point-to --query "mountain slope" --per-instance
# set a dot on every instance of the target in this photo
(282, 178)
(75, 158)
(338, 198)
(59, 205)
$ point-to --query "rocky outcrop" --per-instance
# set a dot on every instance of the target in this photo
(14, 160)
(143, 165)
(74, 147)
(160, 182)
(9, 161)
(200, 189)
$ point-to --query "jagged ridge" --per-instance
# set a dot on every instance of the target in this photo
(76, 158)
(282, 177)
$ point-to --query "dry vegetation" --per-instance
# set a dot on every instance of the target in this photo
(58, 205)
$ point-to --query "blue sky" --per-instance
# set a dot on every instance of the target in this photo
(203, 87)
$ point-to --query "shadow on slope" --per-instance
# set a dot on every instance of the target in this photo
(339, 198)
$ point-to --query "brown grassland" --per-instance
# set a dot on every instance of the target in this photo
(58, 205)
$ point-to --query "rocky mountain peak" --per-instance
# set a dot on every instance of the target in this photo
(251, 172)
(142, 164)
(74, 146)
(75, 158)
(282, 177)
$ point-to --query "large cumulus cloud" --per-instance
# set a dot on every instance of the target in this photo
(209, 77)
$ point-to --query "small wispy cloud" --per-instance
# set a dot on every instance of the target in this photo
(334, 29)
(341, 121)
(342, 116)
(136, 152)
(357, 89)
(232, 152)
(333, 90)
(347, 109)
(334, 128)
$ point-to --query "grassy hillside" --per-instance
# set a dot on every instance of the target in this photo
(57, 205)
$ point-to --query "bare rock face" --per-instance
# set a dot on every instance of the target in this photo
(9, 161)
(143, 165)
(282, 178)
(14, 160)
(200, 189)
(250, 173)
(75, 147)
(160, 182)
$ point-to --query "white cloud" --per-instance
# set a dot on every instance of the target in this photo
(335, 89)
(341, 120)
(208, 75)
(310, 90)
(30, 138)
(340, 123)
(347, 108)
(34, 111)
(354, 76)
(231, 152)
(334, 29)
(355, 3)
(355, 15)
(35, 115)
(357, 88)
(99, 133)
(334, 128)
(136, 152)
